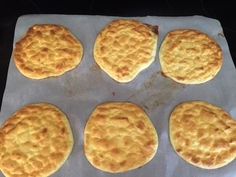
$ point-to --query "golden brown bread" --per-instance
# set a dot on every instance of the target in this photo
(124, 48)
(35, 141)
(119, 137)
(47, 50)
(190, 57)
(203, 134)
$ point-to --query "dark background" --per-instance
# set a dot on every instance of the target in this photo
(10, 10)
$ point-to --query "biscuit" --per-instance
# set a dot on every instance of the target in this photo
(190, 57)
(124, 48)
(202, 134)
(47, 50)
(119, 137)
(35, 141)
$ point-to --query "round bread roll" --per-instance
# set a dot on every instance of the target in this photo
(124, 48)
(190, 57)
(119, 137)
(47, 50)
(203, 134)
(35, 141)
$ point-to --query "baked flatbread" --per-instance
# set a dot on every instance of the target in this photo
(190, 57)
(35, 141)
(119, 137)
(124, 48)
(203, 134)
(47, 50)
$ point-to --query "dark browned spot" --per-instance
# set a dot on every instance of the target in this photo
(232, 140)
(123, 71)
(60, 65)
(140, 125)
(208, 161)
(28, 69)
(44, 49)
(63, 130)
(163, 74)
(45, 130)
(179, 78)
(113, 93)
(52, 32)
(187, 142)
(178, 150)
(177, 135)
(123, 163)
(199, 68)
(122, 118)
(150, 143)
(38, 33)
(195, 160)
(101, 155)
(115, 151)
(233, 150)
(155, 29)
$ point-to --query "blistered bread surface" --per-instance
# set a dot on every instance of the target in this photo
(119, 137)
(190, 56)
(47, 50)
(124, 48)
(35, 141)
(203, 134)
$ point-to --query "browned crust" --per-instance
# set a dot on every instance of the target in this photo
(189, 56)
(124, 48)
(203, 134)
(119, 137)
(47, 50)
(35, 141)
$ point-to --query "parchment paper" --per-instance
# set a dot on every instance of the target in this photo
(80, 90)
